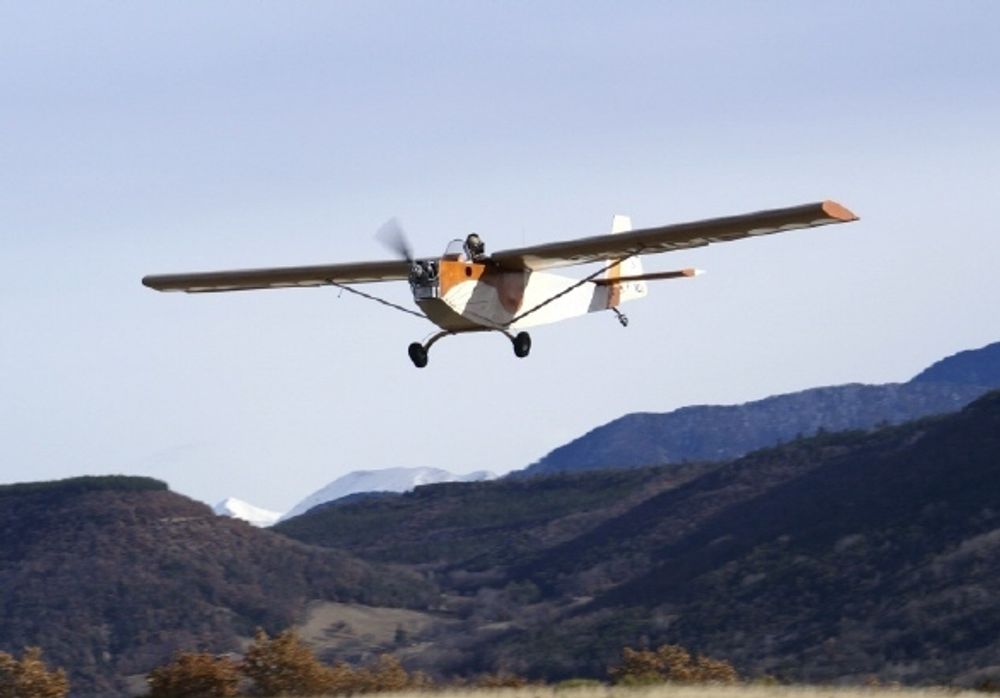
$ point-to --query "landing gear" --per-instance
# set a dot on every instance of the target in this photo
(622, 317)
(522, 344)
(418, 354)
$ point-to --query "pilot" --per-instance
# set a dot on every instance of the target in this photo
(475, 248)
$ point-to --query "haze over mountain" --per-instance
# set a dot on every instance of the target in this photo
(383, 480)
(720, 432)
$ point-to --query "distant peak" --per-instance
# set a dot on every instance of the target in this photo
(973, 367)
(238, 509)
(382, 480)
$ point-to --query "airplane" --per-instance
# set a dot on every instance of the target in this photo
(466, 290)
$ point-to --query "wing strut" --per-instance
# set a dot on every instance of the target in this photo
(383, 301)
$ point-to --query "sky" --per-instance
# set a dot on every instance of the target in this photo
(157, 137)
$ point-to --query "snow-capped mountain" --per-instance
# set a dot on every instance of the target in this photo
(239, 509)
(385, 480)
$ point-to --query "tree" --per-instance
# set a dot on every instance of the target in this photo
(284, 665)
(29, 677)
(386, 674)
(193, 675)
(670, 663)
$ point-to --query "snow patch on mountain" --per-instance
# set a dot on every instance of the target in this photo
(238, 509)
(384, 480)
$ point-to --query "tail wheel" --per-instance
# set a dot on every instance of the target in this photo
(522, 344)
(418, 355)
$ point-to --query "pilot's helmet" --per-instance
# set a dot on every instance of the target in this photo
(474, 244)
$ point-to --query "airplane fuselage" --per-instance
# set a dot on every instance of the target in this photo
(465, 296)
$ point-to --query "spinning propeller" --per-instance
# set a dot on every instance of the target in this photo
(392, 235)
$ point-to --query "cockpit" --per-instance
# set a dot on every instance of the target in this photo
(471, 249)
(455, 251)
(425, 273)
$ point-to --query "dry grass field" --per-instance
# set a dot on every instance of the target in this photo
(679, 691)
(347, 627)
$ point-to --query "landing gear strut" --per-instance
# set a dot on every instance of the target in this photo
(622, 317)
(418, 352)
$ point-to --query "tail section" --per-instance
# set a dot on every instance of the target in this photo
(628, 290)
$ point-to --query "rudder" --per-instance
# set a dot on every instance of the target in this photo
(628, 290)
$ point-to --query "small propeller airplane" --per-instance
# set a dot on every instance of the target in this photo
(466, 290)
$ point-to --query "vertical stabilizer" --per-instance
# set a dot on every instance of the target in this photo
(629, 290)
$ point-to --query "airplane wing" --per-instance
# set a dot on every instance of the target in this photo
(280, 277)
(680, 236)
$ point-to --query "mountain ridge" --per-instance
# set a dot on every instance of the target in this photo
(721, 432)
(831, 558)
(872, 554)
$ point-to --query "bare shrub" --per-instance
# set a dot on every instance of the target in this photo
(284, 665)
(670, 663)
(193, 675)
(28, 677)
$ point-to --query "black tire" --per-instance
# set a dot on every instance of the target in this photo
(522, 344)
(418, 355)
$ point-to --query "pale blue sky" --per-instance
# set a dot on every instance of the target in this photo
(158, 137)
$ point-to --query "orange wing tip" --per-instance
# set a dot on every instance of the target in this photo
(840, 213)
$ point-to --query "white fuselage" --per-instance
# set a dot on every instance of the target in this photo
(468, 296)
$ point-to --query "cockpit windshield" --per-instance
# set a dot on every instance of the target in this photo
(455, 251)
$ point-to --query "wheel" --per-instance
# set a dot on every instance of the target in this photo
(418, 355)
(522, 344)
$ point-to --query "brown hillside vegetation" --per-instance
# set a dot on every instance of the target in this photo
(832, 558)
(476, 526)
(876, 554)
(282, 665)
(111, 576)
(29, 677)
(670, 664)
(835, 558)
(195, 675)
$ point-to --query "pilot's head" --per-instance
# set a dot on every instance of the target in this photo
(475, 246)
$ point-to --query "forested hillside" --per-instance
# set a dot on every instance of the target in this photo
(832, 557)
(111, 575)
(874, 554)
(480, 525)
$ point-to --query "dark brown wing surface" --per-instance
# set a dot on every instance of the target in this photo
(680, 236)
(280, 277)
